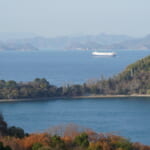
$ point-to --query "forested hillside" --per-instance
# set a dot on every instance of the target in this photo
(135, 79)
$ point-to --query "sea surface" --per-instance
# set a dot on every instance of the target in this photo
(64, 67)
(129, 117)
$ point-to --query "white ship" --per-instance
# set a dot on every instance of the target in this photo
(103, 53)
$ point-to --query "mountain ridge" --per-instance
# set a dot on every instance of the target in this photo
(83, 42)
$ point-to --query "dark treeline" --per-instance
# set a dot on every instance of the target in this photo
(14, 131)
(135, 79)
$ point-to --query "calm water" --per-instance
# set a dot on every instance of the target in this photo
(129, 117)
(61, 67)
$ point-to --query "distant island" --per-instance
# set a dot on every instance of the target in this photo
(20, 42)
(133, 81)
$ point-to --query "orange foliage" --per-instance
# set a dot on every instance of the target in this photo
(96, 141)
(27, 142)
(66, 139)
(14, 143)
(42, 138)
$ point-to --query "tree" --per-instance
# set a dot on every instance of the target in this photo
(82, 140)
(16, 132)
(57, 143)
(41, 83)
(36, 146)
(3, 147)
(3, 126)
(124, 144)
(2, 83)
(11, 84)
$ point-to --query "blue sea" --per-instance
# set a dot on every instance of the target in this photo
(64, 67)
(129, 117)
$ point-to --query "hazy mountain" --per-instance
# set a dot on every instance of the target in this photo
(9, 41)
(87, 42)
(76, 42)
(139, 43)
(111, 42)
(12, 46)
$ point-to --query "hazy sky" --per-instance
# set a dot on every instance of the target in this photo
(73, 17)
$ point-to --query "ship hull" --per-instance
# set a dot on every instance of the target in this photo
(104, 54)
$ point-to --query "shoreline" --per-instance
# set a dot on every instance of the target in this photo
(75, 97)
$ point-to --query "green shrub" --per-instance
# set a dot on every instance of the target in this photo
(57, 142)
(82, 140)
(36, 146)
(124, 144)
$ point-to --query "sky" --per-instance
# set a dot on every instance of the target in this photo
(52, 18)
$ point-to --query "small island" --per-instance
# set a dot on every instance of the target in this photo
(133, 81)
